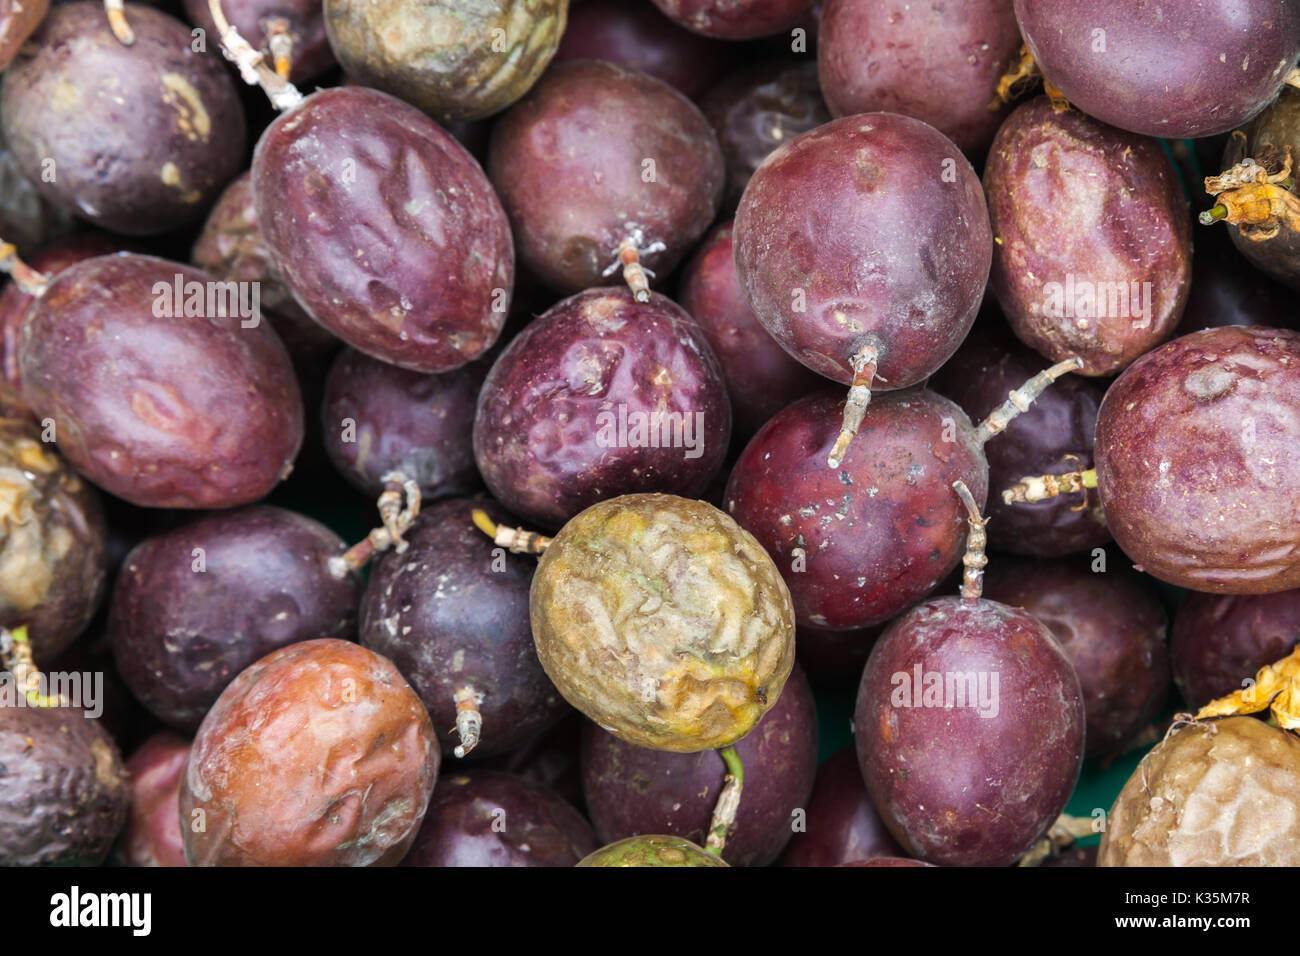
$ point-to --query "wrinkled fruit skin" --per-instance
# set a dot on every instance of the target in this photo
(182, 631)
(631, 790)
(1094, 257)
(1054, 436)
(569, 164)
(18, 20)
(1112, 627)
(1175, 71)
(759, 108)
(464, 825)
(879, 532)
(549, 432)
(847, 236)
(153, 828)
(184, 412)
(652, 851)
(937, 62)
(405, 421)
(761, 378)
(1218, 793)
(142, 137)
(320, 754)
(53, 541)
(453, 60)
(232, 249)
(956, 787)
(842, 824)
(450, 613)
(310, 55)
(663, 621)
(63, 794)
(1219, 641)
(1195, 451)
(385, 229)
(735, 19)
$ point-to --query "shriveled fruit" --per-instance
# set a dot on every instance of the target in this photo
(301, 23)
(1094, 252)
(603, 395)
(597, 159)
(454, 60)
(736, 19)
(652, 851)
(842, 825)
(136, 139)
(1219, 641)
(663, 621)
(195, 606)
(152, 836)
(1214, 793)
(320, 754)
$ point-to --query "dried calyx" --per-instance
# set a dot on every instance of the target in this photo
(1022, 77)
(1257, 195)
(399, 506)
(252, 65)
(1276, 688)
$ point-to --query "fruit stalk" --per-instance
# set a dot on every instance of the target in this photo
(280, 42)
(864, 373)
(1022, 398)
(116, 11)
(397, 518)
(16, 657)
(252, 66)
(25, 277)
(469, 721)
(1032, 488)
(514, 540)
(974, 560)
(1063, 832)
(728, 805)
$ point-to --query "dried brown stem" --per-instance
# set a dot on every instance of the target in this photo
(514, 540)
(251, 64)
(974, 560)
(1019, 401)
(25, 277)
(864, 374)
(399, 506)
(1016, 80)
(1063, 832)
(1032, 488)
(117, 22)
(469, 721)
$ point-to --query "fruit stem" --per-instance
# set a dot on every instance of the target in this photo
(514, 540)
(469, 722)
(25, 277)
(728, 805)
(16, 657)
(864, 373)
(974, 560)
(252, 66)
(396, 519)
(280, 42)
(1213, 215)
(1032, 488)
(1293, 78)
(634, 274)
(1062, 833)
(1018, 402)
(117, 22)
(1022, 73)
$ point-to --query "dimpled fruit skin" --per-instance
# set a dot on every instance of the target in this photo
(185, 412)
(1188, 69)
(1218, 793)
(454, 59)
(1196, 460)
(735, 19)
(385, 229)
(1071, 198)
(652, 850)
(663, 621)
(855, 233)
(320, 754)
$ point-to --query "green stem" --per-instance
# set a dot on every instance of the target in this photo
(1213, 215)
(724, 812)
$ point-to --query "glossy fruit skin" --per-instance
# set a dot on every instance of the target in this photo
(406, 421)
(451, 611)
(152, 836)
(1227, 291)
(663, 621)
(652, 850)
(181, 630)
(757, 109)
(53, 539)
(834, 659)
(27, 219)
(735, 19)
(453, 60)
(1194, 450)
(311, 53)
(426, 290)
(548, 433)
(1054, 436)
(1191, 70)
(231, 248)
(849, 236)
(320, 754)
(64, 796)
(761, 378)
(631, 790)
(879, 532)
(1112, 627)
(938, 63)
(1217, 793)
(842, 825)
(955, 787)
(189, 412)
(636, 36)
(486, 818)
(1075, 204)
(569, 164)
(142, 137)
(1220, 641)
(18, 20)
